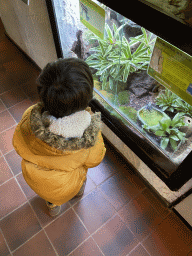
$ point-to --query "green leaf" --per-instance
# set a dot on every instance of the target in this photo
(181, 135)
(127, 48)
(173, 144)
(145, 34)
(109, 32)
(165, 123)
(116, 36)
(174, 137)
(164, 142)
(114, 27)
(160, 133)
(126, 73)
(102, 48)
(138, 49)
(168, 130)
(104, 69)
(108, 50)
(171, 109)
(176, 117)
(110, 83)
(164, 108)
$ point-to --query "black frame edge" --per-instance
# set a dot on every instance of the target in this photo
(54, 27)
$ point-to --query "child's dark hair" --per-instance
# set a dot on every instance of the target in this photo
(65, 86)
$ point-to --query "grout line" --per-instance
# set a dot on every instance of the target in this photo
(8, 129)
(9, 168)
(42, 228)
(12, 211)
(3, 93)
(8, 152)
(6, 182)
(6, 241)
(89, 232)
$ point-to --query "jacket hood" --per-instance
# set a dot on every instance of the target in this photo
(40, 123)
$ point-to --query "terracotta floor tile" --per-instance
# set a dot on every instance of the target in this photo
(101, 172)
(14, 161)
(66, 232)
(13, 97)
(16, 230)
(11, 197)
(6, 120)
(90, 185)
(134, 178)
(6, 140)
(94, 210)
(2, 107)
(88, 248)
(30, 87)
(7, 56)
(139, 251)
(118, 190)
(15, 66)
(18, 110)
(163, 210)
(2, 34)
(5, 172)
(6, 83)
(41, 209)
(25, 187)
(171, 237)
(35, 98)
(3, 247)
(5, 44)
(114, 238)
(140, 217)
(18, 71)
(39, 245)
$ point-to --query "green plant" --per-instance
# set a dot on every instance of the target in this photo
(113, 58)
(167, 100)
(147, 40)
(169, 131)
(123, 97)
(183, 107)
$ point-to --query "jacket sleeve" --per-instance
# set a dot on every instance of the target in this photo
(96, 153)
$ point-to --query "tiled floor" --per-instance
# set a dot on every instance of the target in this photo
(118, 215)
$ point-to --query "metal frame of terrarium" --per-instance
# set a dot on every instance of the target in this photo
(173, 175)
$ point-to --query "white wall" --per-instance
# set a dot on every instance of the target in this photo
(29, 27)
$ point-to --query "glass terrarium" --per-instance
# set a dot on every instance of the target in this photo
(155, 120)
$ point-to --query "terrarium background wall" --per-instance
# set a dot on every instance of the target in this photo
(68, 20)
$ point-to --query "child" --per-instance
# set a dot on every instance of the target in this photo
(58, 138)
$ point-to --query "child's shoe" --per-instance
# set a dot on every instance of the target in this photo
(81, 191)
(53, 209)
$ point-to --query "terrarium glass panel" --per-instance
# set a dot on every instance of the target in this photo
(119, 64)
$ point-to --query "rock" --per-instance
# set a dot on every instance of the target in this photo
(140, 83)
(132, 29)
(187, 129)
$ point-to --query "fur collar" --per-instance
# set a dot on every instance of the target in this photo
(40, 122)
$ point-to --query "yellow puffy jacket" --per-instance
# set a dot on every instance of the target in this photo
(54, 167)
